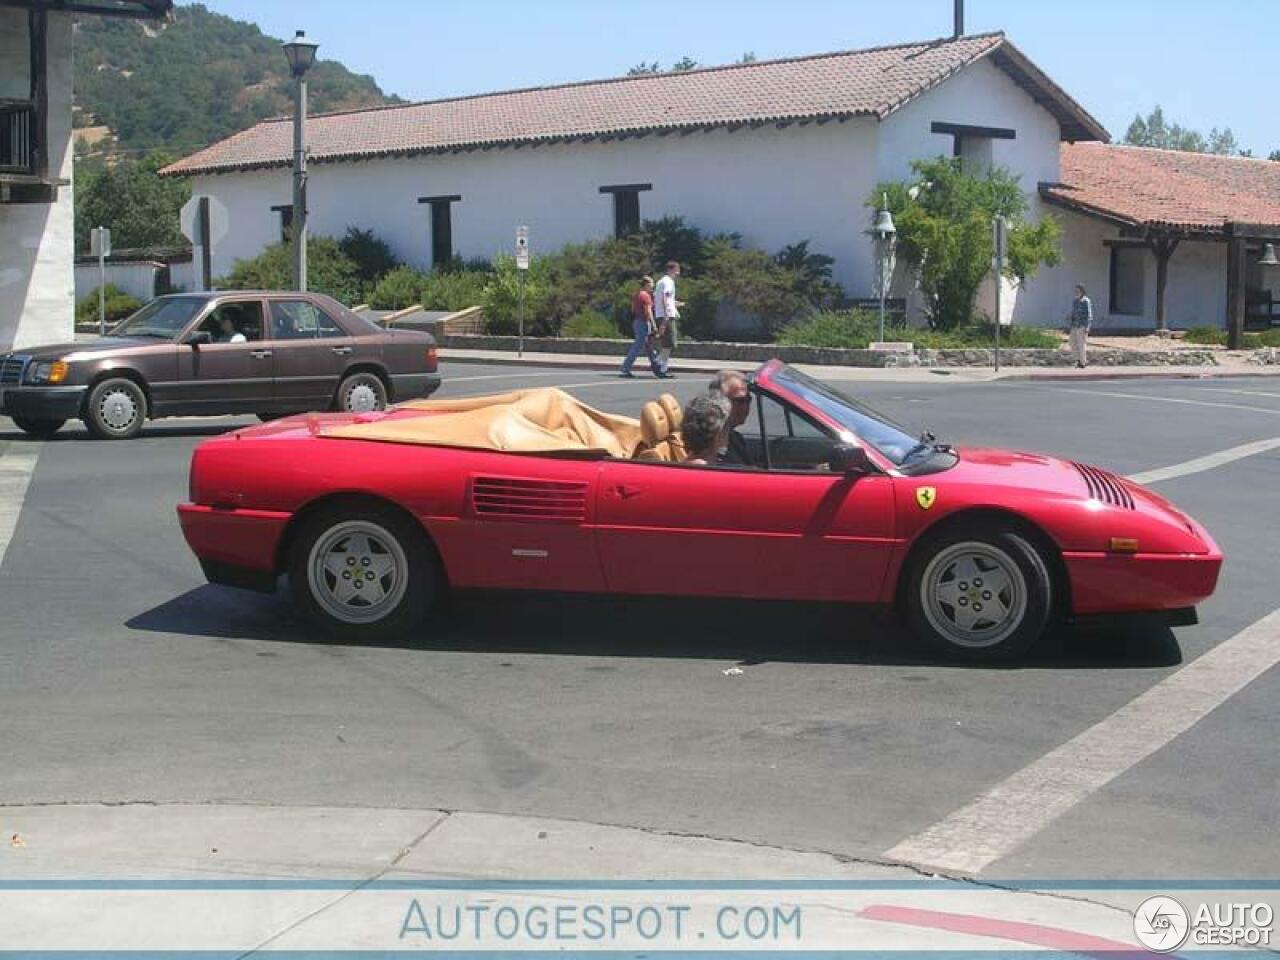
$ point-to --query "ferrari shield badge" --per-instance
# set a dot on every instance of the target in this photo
(925, 497)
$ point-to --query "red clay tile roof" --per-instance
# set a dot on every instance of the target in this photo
(1167, 189)
(818, 88)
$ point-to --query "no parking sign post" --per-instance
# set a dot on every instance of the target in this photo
(522, 267)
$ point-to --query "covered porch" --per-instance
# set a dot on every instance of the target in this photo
(1162, 220)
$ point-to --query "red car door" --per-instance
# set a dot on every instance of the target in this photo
(524, 522)
(795, 531)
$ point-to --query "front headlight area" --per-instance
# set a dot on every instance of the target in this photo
(48, 372)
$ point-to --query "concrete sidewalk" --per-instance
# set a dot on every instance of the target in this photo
(150, 876)
(1228, 366)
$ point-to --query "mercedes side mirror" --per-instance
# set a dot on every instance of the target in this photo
(199, 338)
(849, 459)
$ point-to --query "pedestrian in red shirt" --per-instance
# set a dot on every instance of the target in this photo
(643, 327)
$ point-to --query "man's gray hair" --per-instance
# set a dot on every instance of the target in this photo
(719, 385)
(704, 418)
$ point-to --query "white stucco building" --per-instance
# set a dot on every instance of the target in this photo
(36, 217)
(779, 151)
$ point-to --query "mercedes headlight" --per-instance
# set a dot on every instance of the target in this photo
(49, 371)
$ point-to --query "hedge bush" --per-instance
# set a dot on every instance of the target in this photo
(590, 324)
(118, 305)
(1218, 336)
(329, 271)
(857, 329)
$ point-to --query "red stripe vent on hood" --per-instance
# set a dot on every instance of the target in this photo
(1104, 486)
(518, 498)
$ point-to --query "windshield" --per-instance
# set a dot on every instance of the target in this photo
(856, 417)
(163, 317)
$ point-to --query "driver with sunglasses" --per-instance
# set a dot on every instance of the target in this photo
(733, 386)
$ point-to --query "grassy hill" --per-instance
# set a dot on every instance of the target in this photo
(179, 86)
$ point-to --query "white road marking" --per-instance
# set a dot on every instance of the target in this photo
(1243, 393)
(15, 474)
(1013, 811)
(1207, 462)
(1153, 399)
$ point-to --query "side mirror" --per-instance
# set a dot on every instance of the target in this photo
(848, 459)
(199, 338)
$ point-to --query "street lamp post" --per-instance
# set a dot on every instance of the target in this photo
(301, 54)
(886, 234)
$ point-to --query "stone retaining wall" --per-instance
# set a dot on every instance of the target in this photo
(759, 352)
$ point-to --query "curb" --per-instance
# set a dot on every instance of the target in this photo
(988, 374)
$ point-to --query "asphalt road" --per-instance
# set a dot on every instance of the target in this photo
(124, 677)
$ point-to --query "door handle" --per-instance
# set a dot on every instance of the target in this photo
(260, 354)
(341, 351)
(625, 492)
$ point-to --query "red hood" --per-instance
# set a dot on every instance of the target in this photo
(1105, 504)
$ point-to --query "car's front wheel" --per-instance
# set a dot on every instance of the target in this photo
(362, 392)
(979, 594)
(38, 428)
(115, 410)
(363, 572)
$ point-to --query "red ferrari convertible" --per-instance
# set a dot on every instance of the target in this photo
(374, 515)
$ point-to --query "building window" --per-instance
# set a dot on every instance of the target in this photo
(286, 221)
(1128, 281)
(441, 227)
(626, 206)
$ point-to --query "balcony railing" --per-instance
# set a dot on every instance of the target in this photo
(17, 136)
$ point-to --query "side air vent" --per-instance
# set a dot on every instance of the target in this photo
(543, 501)
(1104, 486)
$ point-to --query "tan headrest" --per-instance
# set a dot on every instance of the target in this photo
(674, 413)
(655, 425)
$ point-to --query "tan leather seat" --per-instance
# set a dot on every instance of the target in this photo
(655, 433)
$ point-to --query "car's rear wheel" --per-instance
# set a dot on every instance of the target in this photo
(979, 594)
(38, 428)
(362, 392)
(363, 572)
(115, 410)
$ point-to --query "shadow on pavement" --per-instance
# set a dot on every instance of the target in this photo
(749, 632)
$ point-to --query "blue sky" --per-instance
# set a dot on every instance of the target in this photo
(1200, 59)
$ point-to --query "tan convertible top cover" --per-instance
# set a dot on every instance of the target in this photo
(545, 420)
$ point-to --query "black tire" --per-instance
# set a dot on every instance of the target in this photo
(953, 623)
(359, 389)
(332, 534)
(38, 428)
(116, 409)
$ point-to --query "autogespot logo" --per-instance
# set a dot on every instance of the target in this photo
(1161, 924)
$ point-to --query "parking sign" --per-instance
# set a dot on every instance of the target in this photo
(522, 248)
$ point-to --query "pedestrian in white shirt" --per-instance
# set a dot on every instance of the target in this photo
(666, 311)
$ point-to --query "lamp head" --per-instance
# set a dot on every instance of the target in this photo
(300, 52)
(1269, 256)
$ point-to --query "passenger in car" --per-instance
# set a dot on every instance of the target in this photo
(705, 429)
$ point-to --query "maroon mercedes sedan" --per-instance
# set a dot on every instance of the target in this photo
(243, 351)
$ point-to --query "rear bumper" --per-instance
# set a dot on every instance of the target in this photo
(235, 547)
(1104, 583)
(42, 403)
(411, 386)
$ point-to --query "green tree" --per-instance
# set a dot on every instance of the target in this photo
(684, 64)
(643, 69)
(944, 218)
(748, 57)
(369, 252)
(138, 206)
(1154, 131)
(1274, 155)
(329, 271)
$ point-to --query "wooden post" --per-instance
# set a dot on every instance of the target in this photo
(1162, 246)
(206, 255)
(38, 27)
(1235, 288)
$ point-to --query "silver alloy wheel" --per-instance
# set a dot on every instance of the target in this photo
(362, 398)
(357, 572)
(973, 594)
(118, 409)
